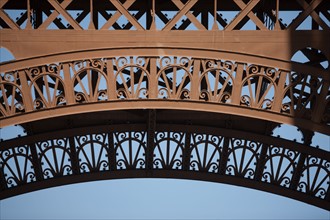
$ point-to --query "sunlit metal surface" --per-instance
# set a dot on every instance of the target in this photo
(179, 89)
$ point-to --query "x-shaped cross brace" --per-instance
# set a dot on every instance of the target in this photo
(54, 15)
(60, 9)
(308, 10)
(122, 10)
(4, 16)
(184, 10)
(246, 11)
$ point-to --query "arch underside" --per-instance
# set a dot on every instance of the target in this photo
(163, 144)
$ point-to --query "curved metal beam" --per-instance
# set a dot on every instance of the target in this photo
(120, 151)
(163, 104)
(210, 84)
(148, 51)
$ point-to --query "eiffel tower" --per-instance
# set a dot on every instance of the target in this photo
(185, 89)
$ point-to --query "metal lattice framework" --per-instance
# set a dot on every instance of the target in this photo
(178, 89)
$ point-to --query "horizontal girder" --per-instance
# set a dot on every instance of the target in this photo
(36, 46)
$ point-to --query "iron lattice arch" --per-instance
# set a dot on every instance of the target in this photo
(176, 88)
(155, 144)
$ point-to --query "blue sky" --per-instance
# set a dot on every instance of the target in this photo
(155, 199)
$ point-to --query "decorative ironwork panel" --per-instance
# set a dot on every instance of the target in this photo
(132, 77)
(130, 148)
(46, 86)
(16, 164)
(174, 77)
(206, 152)
(11, 97)
(259, 84)
(315, 177)
(280, 165)
(168, 150)
(300, 94)
(243, 157)
(54, 157)
(220, 153)
(92, 151)
(216, 80)
(89, 80)
(107, 79)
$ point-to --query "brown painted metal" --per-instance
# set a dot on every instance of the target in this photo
(181, 59)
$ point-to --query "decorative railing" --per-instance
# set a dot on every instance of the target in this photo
(225, 82)
(272, 164)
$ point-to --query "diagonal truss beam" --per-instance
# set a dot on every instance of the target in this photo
(8, 20)
(4, 16)
(3, 2)
(246, 11)
(58, 7)
(314, 15)
(307, 11)
(54, 15)
(116, 16)
(183, 11)
(123, 10)
(190, 16)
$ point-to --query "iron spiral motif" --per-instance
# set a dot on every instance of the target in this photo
(168, 150)
(54, 157)
(164, 77)
(217, 154)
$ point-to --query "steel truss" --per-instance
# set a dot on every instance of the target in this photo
(173, 88)
(161, 15)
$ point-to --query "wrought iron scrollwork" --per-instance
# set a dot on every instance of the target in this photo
(54, 156)
(259, 85)
(132, 77)
(243, 157)
(17, 166)
(170, 77)
(302, 92)
(315, 177)
(205, 152)
(168, 150)
(11, 97)
(92, 151)
(280, 165)
(174, 78)
(217, 81)
(47, 86)
(89, 81)
(130, 148)
(218, 153)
